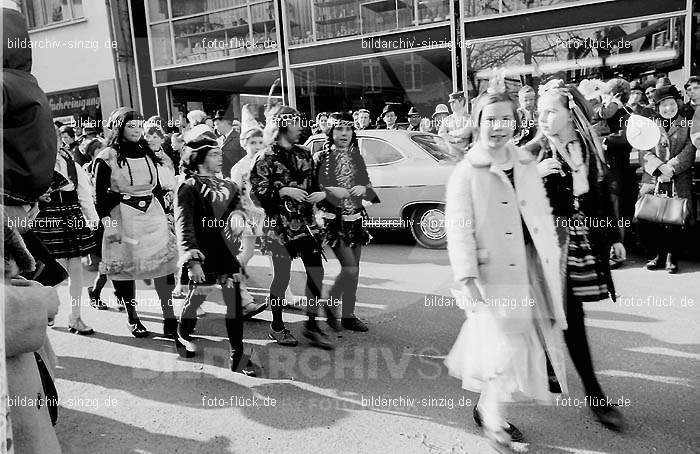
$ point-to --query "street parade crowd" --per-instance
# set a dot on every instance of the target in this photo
(184, 209)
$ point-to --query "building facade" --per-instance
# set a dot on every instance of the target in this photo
(78, 59)
(347, 54)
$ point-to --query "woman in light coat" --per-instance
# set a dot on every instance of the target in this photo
(504, 253)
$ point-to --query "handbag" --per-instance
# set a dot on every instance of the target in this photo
(662, 208)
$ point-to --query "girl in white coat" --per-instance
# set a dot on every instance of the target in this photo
(505, 256)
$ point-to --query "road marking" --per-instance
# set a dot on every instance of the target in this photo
(656, 378)
(665, 351)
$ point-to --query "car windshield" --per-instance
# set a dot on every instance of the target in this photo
(436, 146)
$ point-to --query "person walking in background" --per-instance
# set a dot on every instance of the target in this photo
(342, 174)
(71, 145)
(623, 181)
(284, 182)
(668, 165)
(138, 243)
(502, 245)
(527, 115)
(229, 142)
(252, 142)
(65, 225)
(573, 167)
(692, 91)
(207, 250)
(413, 120)
(456, 128)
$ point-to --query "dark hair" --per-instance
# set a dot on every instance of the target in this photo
(338, 117)
(120, 144)
(692, 80)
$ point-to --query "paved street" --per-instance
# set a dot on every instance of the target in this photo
(380, 392)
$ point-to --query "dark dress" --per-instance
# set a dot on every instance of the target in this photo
(61, 225)
(291, 227)
(344, 219)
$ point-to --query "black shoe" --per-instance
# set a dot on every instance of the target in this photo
(137, 329)
(671, 265)
(608, 416)
(332, 320)
(170, 327)
(283, 337)
(95, 300)
(656, 263)
(241, 363)
(616, 263)
(317, 337)
(79, 327)
(354, 324)
(515, 435)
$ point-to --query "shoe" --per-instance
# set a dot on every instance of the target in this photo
(95, 300)
(170, 327)
(317, 337)
(671, 265)
(77, 326)
(616, 263)
(515, 434)
(283, 337)
(178, 294)
(250, 310)
(499, 441)
(148, 281)
(241, 363)
(332, 320)
(353, 323)
(655, 264)
(137, 329)
(608, 416)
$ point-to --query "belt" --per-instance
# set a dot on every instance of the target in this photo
(345, 217)
(138, 202)
(64, 196)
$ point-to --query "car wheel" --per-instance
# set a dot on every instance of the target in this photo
(428, 226)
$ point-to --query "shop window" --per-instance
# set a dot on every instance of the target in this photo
(189, 7)
(413, 71)
(371, 76)
(377, 152)
(42, 13)
(213, 36)
(628, 50)
(336, 18)
(478, 8)
(433, 11)
(263, 20)
(161, 45)
(307, 82)
(157, 10)
(300, 21)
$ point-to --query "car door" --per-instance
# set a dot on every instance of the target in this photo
(383, 161)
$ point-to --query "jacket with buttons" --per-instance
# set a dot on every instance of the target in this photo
(485, 237)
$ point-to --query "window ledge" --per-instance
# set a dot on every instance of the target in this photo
(58, 25)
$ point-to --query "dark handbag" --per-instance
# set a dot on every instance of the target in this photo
(662, 208)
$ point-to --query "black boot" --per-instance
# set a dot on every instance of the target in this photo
(241, 363)
(184, 343)
(170, 327)
(671, 264)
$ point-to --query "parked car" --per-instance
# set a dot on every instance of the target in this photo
(409, 171)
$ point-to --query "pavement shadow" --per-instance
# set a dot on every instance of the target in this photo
(81, 432)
